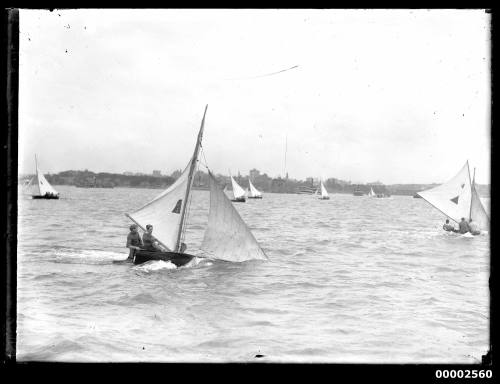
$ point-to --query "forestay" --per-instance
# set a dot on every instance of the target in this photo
(227, 237)
(164, 212)
(254, 192)
(237, 190)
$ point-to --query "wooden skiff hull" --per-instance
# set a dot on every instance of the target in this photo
(255, 197)
(178, 259)
(239, 200)
(45, 197)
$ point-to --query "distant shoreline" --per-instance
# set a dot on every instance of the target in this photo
(264, 183)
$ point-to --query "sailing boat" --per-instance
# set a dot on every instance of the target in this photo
(253, 193)
(227, 237)
(371, 193)
(45, 190)
(238, 192)
(324, 193)
(458, 198)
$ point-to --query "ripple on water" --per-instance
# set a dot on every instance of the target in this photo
(338, 284)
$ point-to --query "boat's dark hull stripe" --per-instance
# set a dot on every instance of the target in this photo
(174, 257)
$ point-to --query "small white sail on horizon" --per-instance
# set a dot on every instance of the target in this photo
(324, 193)
(44, 187)
(238, 191)
(458, 198)
(253, 192)
(371, 193)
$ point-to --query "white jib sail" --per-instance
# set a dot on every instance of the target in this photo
(237, 190)
(43, 185)
(478, 212)
(324, 193)
(164, 212)
(453, 198)
(254, 192)
(227, 237)
(371, 193)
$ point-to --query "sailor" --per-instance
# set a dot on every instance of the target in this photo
(474, 228)
(149, 241)
(463, 226)
(134, 241)
(183, 248)
(449, 227)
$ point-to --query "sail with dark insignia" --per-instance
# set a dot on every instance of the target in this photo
(458, 198)
(164, 212)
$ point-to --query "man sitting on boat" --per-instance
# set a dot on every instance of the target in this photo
(449, 227)
(134, 241)
(474, 228)
(149, 241)
(463, 226)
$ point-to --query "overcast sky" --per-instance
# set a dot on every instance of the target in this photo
(397, 96)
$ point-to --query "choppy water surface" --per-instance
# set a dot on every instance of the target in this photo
(350, 279)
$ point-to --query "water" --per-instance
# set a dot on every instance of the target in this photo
(349, 280)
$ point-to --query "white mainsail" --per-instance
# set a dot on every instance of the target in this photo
(458, 198)
(254, 192)
(238, 192)
(227, 237)
(164, 212)
(44, 186)
(324, 193)
(371, 193)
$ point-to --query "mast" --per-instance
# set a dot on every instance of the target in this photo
(286, 147)
(192, 168)
(37, 178)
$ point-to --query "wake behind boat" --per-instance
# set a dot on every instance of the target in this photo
(227, 237)
(45, 190)
(458, 198)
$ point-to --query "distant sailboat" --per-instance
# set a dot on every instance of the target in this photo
(324, 193)
(358, 192)
(45, 190)
(371, 193)
(458, 198)
(253, 193)
(227, 237)
(238, 192)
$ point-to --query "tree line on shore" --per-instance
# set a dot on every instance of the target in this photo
(89, 179)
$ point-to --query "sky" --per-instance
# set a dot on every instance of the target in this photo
(396, 96)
